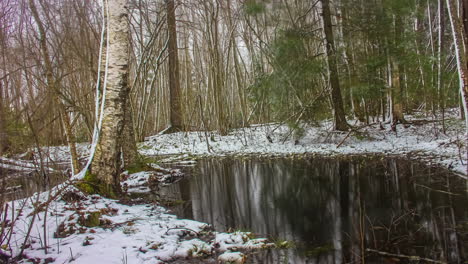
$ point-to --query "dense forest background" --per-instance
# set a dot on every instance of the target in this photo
(225, 64)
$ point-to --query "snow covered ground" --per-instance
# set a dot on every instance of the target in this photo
(92, 229)
(76, 228)
(421, 138)
(418, 139)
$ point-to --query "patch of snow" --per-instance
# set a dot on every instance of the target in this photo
(232, 257)
(143, 233)
(240, 240)
(137, 179)
(422, 139)
(20, 165)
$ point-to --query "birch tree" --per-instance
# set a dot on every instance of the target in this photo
(106, 165)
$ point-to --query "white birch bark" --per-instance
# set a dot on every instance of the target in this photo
(100, 86)
(106, 164)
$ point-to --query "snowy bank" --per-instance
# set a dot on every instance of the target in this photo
(420, 138)
(80, 228)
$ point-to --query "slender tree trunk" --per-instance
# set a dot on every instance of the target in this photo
(53, 87)
(460, 40)
(236, 66)
(218, 74)
(397, 76)
(348, 53)
(440, 79)
(419, 42)
(106, 165)
(337, 100)
(102, 63)
(3, 133)
(432, 72)
(174, 75)
(4, 145)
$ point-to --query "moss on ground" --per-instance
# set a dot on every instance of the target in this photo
(138, 167)
(92, 220)
(92, 185)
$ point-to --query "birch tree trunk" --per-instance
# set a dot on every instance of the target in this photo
(106, 165)
(129, 147)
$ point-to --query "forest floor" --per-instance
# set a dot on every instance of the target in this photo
(421, 138)
(77, 228)
(80, 228)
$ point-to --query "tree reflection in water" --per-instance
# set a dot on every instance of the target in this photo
(334, 210)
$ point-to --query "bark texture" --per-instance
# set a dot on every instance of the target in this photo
(459, 32)
(106, 165)
(441, 48)
(337, 100)
(397, 76)
(3, 133)
(174, 76)
(130, 151)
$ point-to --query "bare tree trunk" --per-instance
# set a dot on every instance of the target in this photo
(440, 80)
(218, 73)
(106, 165)
(460, 40)
(3, 133)
(54, 89)
(129, 147)
(397, 83)
(174, 75)
(337, 101)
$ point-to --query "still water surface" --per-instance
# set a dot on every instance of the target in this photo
(333, 211)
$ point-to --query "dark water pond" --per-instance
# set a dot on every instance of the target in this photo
(18, 184)
(333, 211)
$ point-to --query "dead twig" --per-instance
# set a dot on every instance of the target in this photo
(423, 186)
(353, 130)
(41, 206)
(421, 122)
(117, 225)
(344, 139)
(182, 228)
(412, 258)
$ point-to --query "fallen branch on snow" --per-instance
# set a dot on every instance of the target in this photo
(413, 258)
